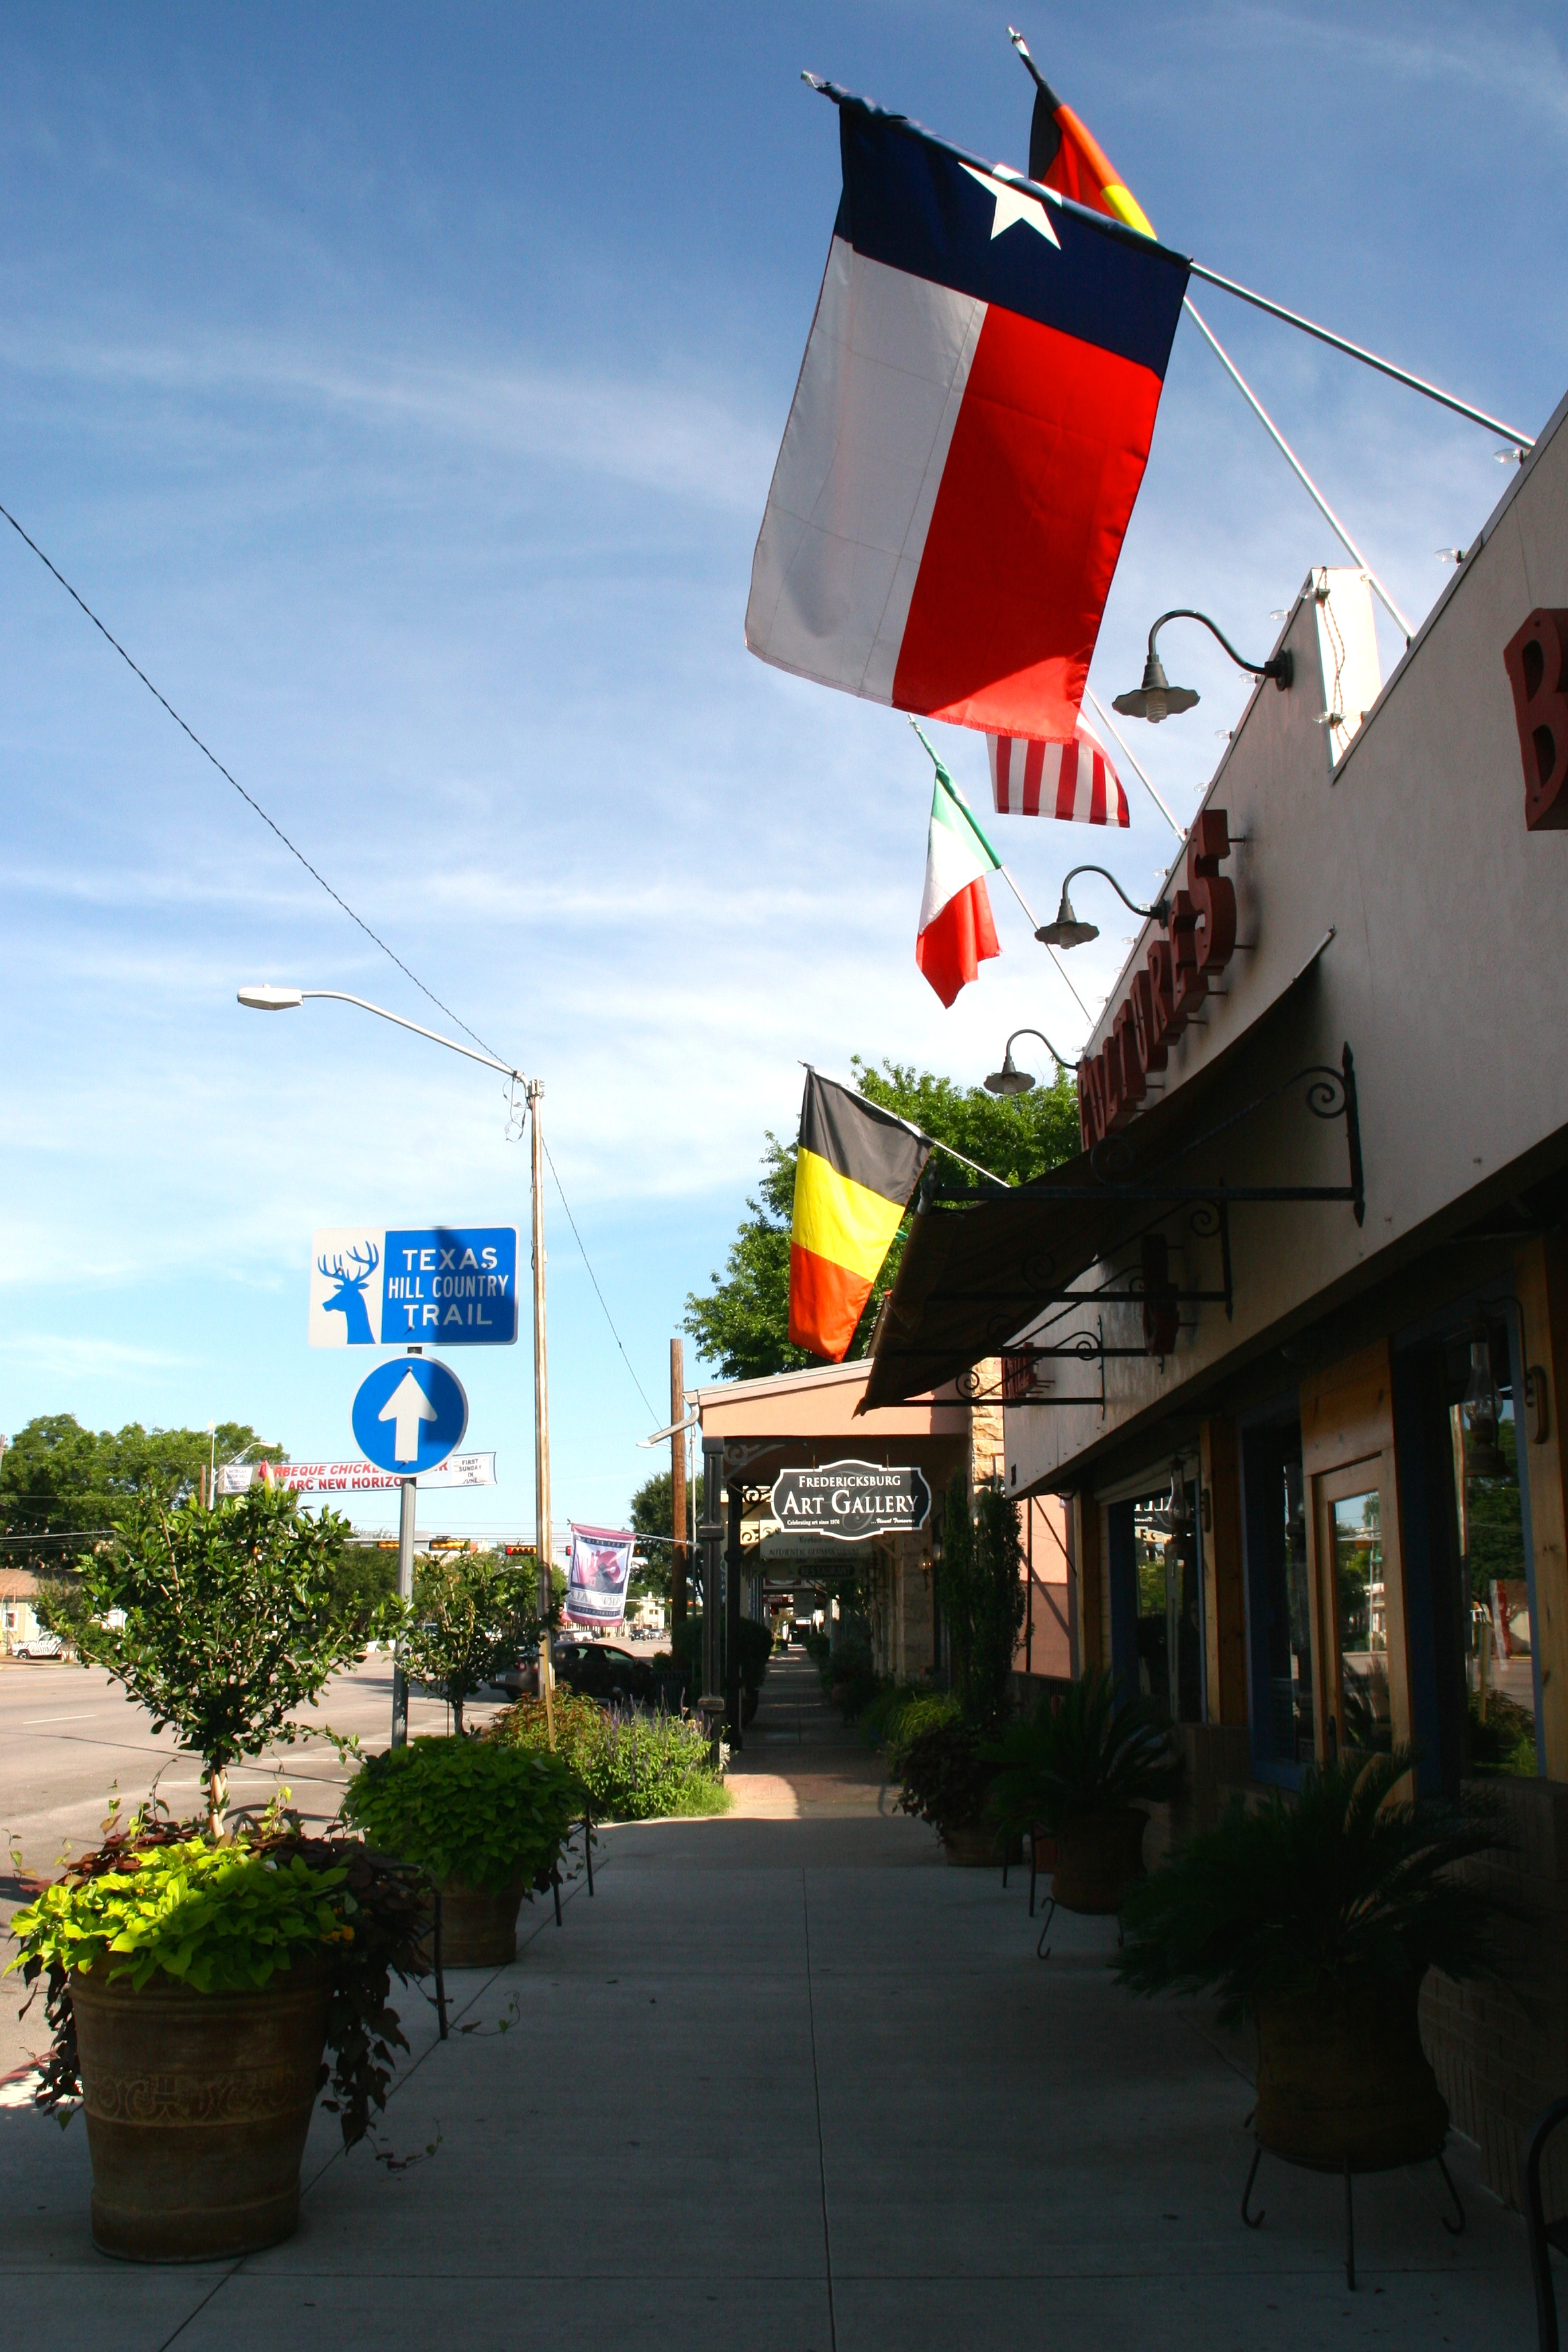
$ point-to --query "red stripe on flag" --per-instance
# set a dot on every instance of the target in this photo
(1034, 767)
(1002, 576)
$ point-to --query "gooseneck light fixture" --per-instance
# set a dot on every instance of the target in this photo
(1010, 1080)
(1157, 699)
(1068, 931)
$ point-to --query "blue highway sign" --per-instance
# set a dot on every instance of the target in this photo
(410, 1415)
(446, 1285)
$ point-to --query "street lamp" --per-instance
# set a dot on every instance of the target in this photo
(1010, 1080)
(263, 997)
(1157, 699)
(1068, 931)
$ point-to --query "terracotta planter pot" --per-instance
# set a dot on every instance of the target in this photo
(197, 2106)
(1099, 1857)
(1341, 2072)
(975, 1846)
(479, 1930)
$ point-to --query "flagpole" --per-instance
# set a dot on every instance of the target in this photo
(1005, 871)
(911, 1129)
(1313, 492)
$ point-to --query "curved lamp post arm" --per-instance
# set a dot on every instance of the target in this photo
(1281, 667)
(284, 999)
(1157, 913)
(1059, 1059)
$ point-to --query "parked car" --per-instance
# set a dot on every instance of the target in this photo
(599, 1670)
(42, 1645)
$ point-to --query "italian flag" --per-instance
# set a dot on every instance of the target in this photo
(957, 933)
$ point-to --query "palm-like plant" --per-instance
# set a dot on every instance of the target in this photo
(1079, 1754)
(1351, 1882)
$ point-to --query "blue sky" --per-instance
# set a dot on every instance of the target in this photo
(402, 385)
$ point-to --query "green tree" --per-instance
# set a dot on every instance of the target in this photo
(980, 1590)
(472, 1613)
(220, 1622)
(59, 1480)
(650, 1515)
(742, 1324)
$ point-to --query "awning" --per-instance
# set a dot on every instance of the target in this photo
(974, 1274)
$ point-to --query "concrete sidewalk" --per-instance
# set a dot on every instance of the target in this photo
(789, 2082)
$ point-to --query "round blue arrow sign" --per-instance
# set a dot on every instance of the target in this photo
(409, 1414)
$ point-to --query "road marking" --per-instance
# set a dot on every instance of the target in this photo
(31, 1722)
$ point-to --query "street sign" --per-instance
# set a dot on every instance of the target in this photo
(410, 1415)
(847, 1500)
(455, 1286)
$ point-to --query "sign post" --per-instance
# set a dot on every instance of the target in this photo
(408, 1416)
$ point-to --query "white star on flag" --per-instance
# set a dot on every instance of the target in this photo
(1013, 204)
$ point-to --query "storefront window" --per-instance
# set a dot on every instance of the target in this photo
(1170, 1600)
(1355, 1532)
(1500, 1669)
(1283, 1729)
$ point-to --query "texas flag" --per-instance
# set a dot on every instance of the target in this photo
(968, 436)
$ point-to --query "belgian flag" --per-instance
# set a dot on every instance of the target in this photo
(854, 1172)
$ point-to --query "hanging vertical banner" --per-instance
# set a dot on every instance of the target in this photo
(598, 1579)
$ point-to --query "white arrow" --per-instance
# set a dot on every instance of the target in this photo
(407, 1406)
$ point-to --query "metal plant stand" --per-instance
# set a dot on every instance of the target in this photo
(1255, 2221)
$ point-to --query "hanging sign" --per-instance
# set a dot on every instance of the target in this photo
(599, 1573)
(846, 1501)
(350, 1477)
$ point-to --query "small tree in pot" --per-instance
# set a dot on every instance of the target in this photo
(488, 1821)
(1082, 1768)
(946, 1781)
(1318, 1918)
(471, 1616)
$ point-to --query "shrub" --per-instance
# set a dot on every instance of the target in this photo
(1081, 1753)
(1349, 1880)
(946, 1777)
(468, 1809)
(922, 1711)
(471, 1616)
(636, 1767)
(816, 1646)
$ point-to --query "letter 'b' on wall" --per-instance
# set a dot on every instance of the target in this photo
(1537, 662)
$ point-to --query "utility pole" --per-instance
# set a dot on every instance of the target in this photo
(541, 1413)
(677, 1496)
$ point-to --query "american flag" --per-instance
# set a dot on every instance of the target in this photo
(1071, 780)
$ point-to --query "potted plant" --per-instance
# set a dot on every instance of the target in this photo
(191, 1978)
(191, 1986)
(1082, 1768)
(1318, 1917)
(487, 1820)
(947, 1779)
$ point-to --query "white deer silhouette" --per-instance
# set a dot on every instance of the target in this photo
(348, 1299)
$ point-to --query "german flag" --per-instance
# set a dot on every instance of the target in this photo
(1065, 154)
(854, 1172)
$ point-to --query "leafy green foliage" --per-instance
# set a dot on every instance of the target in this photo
(742, 1325)
(898, 1716)
(1350, 1881)
(980, 1589)
(482, 1811)
(1081, 1753)
(472, 1613)
(156, 1899)
(217, 1917)
(848, 1674)
(57, 1478)
(636, 1767)
(230, 1619)
(946, 1776)
(1502, 1738)
(756, 1649)
(651, 1514)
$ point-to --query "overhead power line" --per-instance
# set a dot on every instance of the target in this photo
(316, 876)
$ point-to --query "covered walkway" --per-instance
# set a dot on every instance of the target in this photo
(790, 2083)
